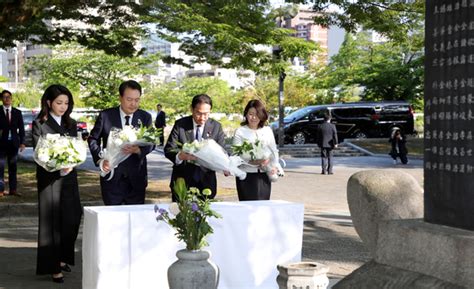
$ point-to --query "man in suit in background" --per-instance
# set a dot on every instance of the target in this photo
(130, 177)
(327, 141)
(187, 129)
(160, 122)
(12, 133)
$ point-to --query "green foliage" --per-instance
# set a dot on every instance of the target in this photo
(111, 26)
(297, 93)
(190, 220)
(176, 97)
(94, 75)
(372, 71)
(393, 19)
(28, 96)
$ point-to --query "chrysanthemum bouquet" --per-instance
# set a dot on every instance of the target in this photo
(189, 216)
(258, 154)
(129, 135)
(212, 156)
(54, 152)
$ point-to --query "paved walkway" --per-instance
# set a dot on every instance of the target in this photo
(329, 236)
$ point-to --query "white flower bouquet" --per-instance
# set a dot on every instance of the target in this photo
(255, 153)
(212, 156)
(119, 138)
(54, 152)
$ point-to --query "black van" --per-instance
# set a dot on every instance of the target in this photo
(352, 120)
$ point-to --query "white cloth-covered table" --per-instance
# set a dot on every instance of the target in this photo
(124, 246)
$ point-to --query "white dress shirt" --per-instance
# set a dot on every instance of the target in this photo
(264, 134)
(56, 118)
(122, 117)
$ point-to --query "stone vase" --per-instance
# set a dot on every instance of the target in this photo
(302, 275)
(193, 270)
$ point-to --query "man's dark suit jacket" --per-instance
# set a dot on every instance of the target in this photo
(16, 127)
(133, 169)
(327, 135)
(182, 132)
(160, 121)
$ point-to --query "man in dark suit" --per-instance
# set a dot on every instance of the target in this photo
(130, 177)
(12, 133)
(160, 122)
(327, 141)
(187, 129)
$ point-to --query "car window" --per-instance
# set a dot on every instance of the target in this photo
(396, 109)
(354, 112)
(299, 114)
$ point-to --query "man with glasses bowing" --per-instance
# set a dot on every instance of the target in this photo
(130, 179)
(197, 126)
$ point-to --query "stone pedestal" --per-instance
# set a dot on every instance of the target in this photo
(416, 254)
(303, 275)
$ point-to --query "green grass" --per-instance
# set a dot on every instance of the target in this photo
(382, 146)
(89, 187)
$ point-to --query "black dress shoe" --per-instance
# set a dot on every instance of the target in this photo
(66, 268)
(323, 173)
(58, 279)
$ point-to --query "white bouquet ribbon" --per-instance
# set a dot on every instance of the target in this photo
(54, 152)
(117, 140)
(212, 156)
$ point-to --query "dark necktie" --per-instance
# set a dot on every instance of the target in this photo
(198, 133)
(127, 120)
(8, 115)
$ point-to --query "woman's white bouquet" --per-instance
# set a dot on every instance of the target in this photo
(255, 153)
(212, 156)
(54, 152)
(119, 138)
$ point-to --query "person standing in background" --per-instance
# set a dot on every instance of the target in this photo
(12, 139)
(327, 141)
(160, 122)
(399, 149)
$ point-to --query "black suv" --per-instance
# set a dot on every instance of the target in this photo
(352, 120)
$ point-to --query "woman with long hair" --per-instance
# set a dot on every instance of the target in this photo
(59, 204)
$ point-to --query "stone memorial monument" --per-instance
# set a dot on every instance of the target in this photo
(438, 250)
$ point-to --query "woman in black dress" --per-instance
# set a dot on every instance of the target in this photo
(60, 208)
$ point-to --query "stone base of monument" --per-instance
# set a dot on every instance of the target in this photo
(416, 254)
(302, 275)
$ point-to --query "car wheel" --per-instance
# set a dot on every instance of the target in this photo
(359, 134)
(299, 138)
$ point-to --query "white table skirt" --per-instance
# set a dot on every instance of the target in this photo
(124, 246)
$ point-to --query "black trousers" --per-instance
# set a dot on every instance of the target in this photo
(403, 157)
(255, 187)
(326, 160)
(8, 153)
(60, 213)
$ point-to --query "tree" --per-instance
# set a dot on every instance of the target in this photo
(221, 32)
(176, 96)
(372, 71)
(111, 26)
(393, 19)
(94, 75)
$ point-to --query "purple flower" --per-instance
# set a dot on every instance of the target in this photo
(156, 208)
(159, 218)
(197, 219)
(194, 207)
(162, 211)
